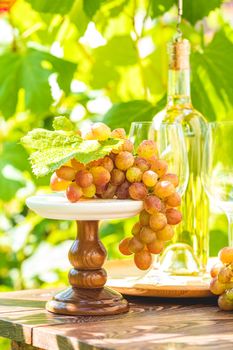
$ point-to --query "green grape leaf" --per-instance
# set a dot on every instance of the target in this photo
(121, 115)
(91, 7)
(62, 123)
(59, 6)
(13, 161)
(212, 89)
(54, 148)
(159, 7)
(119, 51)
(29, 71)
(193, 10)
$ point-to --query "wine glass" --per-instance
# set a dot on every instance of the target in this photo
(218, 169)
(172, 148)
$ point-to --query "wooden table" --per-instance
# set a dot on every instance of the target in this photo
(161, 324)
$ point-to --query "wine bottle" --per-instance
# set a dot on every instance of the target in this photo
(188, 253)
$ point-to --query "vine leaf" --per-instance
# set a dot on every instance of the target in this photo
(51, 149)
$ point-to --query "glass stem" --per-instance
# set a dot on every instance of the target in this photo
(230, 229)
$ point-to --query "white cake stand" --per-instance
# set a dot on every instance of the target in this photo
(87, 294)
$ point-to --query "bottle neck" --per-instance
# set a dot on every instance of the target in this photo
(179, 87)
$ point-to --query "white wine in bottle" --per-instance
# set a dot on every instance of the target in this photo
(188, 253)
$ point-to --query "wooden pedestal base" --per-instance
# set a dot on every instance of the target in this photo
(87, 294)
(72, 301)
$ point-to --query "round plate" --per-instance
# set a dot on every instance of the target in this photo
(125, 278)
(56, 206)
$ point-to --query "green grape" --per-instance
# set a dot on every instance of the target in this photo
(225, 303)
(147, 235)
(158, 221)
(174, 200)
(136, 229)
(166, 234)
(155, 247)
(137, 191)
(74, 193)
(229, 293)
(147, 149)
(144, 218)
(84, 178)
(152, 204)
(164, 189)
(90, 191)
(66, 173)
(173, 178)
(134, 174)
(124, 160)
(117, 177)
(101, 176)
(149, 178)
(143, 260)
(124, 246)
(100, 131)
(135, 245)
(141, 163)
(174, 216)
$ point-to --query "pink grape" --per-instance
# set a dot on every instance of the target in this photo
(66, 173)
(155, 247)
(84, 178)
(174, 216)
(137, 191)
(101, 176)
(74, 192)
(123, 190)
(166, 234)
(164, 189)
(173, 178)
(147, 149)
(152, 204)
(141, 163)
(143, 260)
(144, 218)
(158, 221)
(147, 235)
(117, 177)
(174, 200)
(124, 160)
(124, 246)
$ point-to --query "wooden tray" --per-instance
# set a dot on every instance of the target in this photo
(124, 277)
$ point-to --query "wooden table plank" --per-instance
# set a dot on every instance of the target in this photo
(151, 323)
(24, 300)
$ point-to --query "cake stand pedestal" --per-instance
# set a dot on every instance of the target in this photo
(87, 294)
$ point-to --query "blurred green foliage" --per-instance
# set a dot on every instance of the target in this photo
(93, 60)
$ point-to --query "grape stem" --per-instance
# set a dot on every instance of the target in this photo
(230, 229)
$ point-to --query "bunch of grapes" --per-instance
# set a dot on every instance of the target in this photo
(222, 279)
(124, 175)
